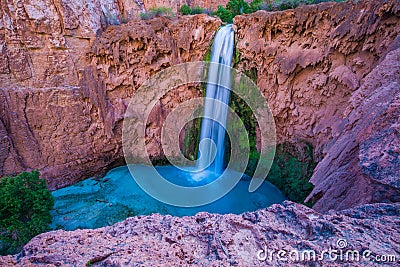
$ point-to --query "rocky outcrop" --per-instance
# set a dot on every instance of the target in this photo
(329, 71)
(44, 43)
(331, 75)
(317, 65)
(64, 116)
(363, 163)
(224, 240)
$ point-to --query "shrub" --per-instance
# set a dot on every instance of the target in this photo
(185, 10)
(293, 164)
(255, 5)
(25, 206)
(291, 170)
(237, 7)
(197, 10)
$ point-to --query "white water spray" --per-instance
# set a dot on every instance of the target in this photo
(212, 135)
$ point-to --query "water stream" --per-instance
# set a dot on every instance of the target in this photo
(99, 202)
(212, 134)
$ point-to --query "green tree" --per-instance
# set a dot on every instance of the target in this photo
(237, 7)
(197, 10)
(25, 206)
(224, 14)
(255, 5)
(185, 10)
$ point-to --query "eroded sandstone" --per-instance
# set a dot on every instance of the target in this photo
(319, 66)
(329, 71)
(221, 240)
(65, 87)
(67, 122)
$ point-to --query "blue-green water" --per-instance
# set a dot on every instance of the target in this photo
(96, 203)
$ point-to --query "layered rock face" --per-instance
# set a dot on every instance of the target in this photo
(226, 240)
(66, 80)
(331, 75)
(62, 103)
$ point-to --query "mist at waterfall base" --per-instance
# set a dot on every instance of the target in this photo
(96, 203)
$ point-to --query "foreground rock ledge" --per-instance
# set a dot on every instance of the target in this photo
(218, 240)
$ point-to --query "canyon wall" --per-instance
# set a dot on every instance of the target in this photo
(330, 73)
(64, 89)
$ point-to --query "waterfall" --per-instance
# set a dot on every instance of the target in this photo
(212, 134)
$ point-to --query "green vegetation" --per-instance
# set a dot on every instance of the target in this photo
(187, 10)
(292, 169)
(233, 8)
(240, 107)
(279, 5)
(293, 163)
(238, 7)
(25, 206)
(192, 137)
(236, 56)
(207, 58)
(160, 161)
(226, 14)
(157, 12)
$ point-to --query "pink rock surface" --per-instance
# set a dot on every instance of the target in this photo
(330, 73)
(66, 119)
(219, 240)
(362, 165)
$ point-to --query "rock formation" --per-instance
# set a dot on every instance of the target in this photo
(331, 75)
(317, 65)
(223, 240)
(62, 105)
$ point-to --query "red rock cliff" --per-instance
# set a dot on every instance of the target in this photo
(65, 81)
(64, 88)
(331, 75)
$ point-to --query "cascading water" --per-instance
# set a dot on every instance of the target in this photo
(77, 206)
(212, 134)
